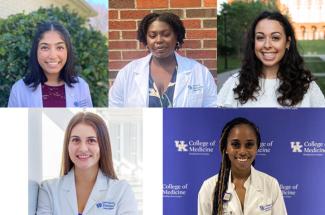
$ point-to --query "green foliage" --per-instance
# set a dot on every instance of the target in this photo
(238, 18)
(311, 47)
(90, 46)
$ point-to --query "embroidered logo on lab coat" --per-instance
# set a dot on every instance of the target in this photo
(266, 207)
(195, 87)
(106, 205)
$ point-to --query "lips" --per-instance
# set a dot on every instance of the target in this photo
(83, 156)
(242, 159)
(269, 55)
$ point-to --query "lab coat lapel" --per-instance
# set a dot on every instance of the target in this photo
(183, 77)
(69, 192)
(234, 204)
(142, 79)
(98, 192)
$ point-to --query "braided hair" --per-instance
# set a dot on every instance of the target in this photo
(224, 171)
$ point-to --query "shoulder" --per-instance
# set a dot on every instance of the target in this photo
(19, 84)
(141, 62)
(189, 63)
(120, 186)
(80, 81)
(51, 183)
(209, 184)
(265, 179)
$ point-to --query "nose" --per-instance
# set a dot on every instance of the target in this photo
(267, 43)
(242, 151)
(159, 38)
(83, 146)
(52, 53)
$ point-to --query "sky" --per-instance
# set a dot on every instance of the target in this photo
(102, 2)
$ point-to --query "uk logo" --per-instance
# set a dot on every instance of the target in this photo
(296, 146)
(181, 145)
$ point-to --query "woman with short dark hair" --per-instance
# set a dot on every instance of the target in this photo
(163, 78)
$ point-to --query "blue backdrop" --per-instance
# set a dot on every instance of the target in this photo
(293, 151)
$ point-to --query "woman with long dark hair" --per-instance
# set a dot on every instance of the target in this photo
(239, 188)
(52, 80)
(273, 73)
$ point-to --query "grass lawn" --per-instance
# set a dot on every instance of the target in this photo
(307, 47)
(233, 63)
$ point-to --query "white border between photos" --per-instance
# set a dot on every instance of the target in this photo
(14, 161)
(152, 161)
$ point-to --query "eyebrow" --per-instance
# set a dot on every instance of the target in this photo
(271, 33)
(58, 43)
(79, 136)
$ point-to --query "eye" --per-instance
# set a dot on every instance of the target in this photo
(74, 140)
(259, 37)
(44, 48)
(166, 33)
(235, 144)
(276, 38)
(60, 48)
(92, 140)
(250, 145)
(152, 35)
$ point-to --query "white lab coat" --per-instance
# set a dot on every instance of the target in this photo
(22, 95)
(263, 196)
(195, 86)
(108, 197)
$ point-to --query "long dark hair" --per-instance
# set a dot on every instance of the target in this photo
(99, 125)
(225, 166)
(35, 75)
(295, 79)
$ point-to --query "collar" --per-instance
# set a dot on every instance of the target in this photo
(253, 180)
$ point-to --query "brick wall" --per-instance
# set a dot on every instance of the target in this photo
(199, 17)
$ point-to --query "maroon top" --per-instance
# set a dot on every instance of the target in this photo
(53, 96)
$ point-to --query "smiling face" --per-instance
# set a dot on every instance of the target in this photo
(270, 43)
(83, 147)
(161, 39)
(52, 53)
(241, 147)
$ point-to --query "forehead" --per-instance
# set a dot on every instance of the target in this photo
(51, 37)
(267, 26)
(83, 128)
(242, 131)
(158, 25)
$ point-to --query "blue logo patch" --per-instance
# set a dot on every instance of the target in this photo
(106, 205)
(266, 207)
(195, 87)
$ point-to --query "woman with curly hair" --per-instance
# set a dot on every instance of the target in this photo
(239, 188)
(273, 72)
(163, 78)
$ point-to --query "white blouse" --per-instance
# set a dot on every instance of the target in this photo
(267, 96)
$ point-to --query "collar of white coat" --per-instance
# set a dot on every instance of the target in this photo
(182, 66)
(253, 180)
(69, 181)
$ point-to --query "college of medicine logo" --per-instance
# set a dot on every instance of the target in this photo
(195, 147)
(308, 148)
(296, 146)
(181, 145)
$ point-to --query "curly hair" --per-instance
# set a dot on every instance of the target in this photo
(294, 77)
(171, 19)
(36, 76)
(224, 171)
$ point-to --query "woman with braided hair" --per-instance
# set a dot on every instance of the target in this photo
(239, 188)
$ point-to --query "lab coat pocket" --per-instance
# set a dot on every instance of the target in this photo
(195, 96)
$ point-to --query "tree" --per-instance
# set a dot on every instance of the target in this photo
(90, 50)
(239, 15)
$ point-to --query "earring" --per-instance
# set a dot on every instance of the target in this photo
(177, 46)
